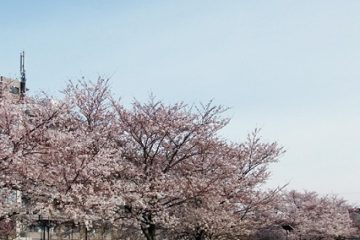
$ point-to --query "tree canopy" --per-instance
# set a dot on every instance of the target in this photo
(153, 167)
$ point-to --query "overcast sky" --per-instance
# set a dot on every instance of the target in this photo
(291, 68)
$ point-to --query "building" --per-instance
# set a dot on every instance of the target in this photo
(9, 86)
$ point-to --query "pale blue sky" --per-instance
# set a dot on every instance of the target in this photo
(290, 67)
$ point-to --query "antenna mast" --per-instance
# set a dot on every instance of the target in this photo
(22, 75)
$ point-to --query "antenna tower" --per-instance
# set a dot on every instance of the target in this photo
(22, 75)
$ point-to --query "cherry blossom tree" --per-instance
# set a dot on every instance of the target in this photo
(313, 216)
(177, 169)
(57, 155)
(20, 138)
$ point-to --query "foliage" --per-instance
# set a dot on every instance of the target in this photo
(154, 168)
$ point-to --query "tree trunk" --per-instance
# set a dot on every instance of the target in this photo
(83, 232)
(149, 231)
(200, 234)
